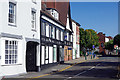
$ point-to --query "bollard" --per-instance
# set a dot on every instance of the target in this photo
(85, 57)
(91, 56)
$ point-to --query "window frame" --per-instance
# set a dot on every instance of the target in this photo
(11, 52)
(33, 20)
(14, 10)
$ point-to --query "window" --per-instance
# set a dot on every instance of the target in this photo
(33, 20)
(59, 35)
(47, 29)
(43, 29)
(12, 13)
(11, 52)
(53, 32)
(50, 33)
(65, 35)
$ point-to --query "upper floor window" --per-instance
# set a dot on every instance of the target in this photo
(59, 34)
(65, 35)
(53, 32)
(33, 20)
(47, 30)
(12, 13)
(54, 13)
(43, 30)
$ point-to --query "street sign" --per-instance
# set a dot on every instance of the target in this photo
(69, 48)
(93, 46)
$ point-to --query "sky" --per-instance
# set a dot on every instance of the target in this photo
(100, 16)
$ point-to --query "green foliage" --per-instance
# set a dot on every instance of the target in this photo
(82, 38)
(117, 40)
(109, 45)
(88, 38)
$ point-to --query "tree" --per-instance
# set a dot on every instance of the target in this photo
(82, 38)
(91, 38)
(117, 40)
(109, 45)
(88, 38)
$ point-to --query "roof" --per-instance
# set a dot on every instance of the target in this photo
(46, 13)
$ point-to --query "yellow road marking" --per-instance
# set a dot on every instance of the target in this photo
(63, 68)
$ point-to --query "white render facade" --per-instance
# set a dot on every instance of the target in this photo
(107, 39)
(76, 47)
(19, 29)
(74, 39)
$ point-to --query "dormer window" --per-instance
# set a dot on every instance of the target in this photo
(54, 13)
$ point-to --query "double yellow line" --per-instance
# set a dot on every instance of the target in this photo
(61, 69)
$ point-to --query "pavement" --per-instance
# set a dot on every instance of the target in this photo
(57, 68)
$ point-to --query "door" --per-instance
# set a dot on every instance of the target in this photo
(31, 56)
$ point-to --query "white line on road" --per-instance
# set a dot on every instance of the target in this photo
(82, 72)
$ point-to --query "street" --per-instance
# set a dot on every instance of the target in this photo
(104, 67)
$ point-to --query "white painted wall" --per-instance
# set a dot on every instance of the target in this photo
(106, 39)
(78, 50)
(23, 27)
(23, 18)
(67, 24)
(74, 38)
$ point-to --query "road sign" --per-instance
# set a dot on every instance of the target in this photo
(93, 46)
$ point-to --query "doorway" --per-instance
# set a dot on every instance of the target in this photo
(31, 57)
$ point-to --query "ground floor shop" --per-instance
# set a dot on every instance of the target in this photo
(68, 53)
(51, 54)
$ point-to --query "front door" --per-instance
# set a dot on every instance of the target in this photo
(31, 56)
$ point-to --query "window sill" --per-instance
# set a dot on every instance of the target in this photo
(10, 64)
(12, 25)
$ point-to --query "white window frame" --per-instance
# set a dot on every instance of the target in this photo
(11, 52)
(33, 19)
(19, 51)
(12, 12)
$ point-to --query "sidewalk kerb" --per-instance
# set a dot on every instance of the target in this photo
(63, 68)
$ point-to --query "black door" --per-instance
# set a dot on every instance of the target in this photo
(31, 56)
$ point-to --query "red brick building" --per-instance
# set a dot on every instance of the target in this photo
(101, 42)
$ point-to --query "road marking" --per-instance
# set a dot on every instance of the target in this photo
(63, 69)
(82, 72)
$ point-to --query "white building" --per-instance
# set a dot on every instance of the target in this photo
(107, 39)
(76, 45)
(74, 39)
(19, 37)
